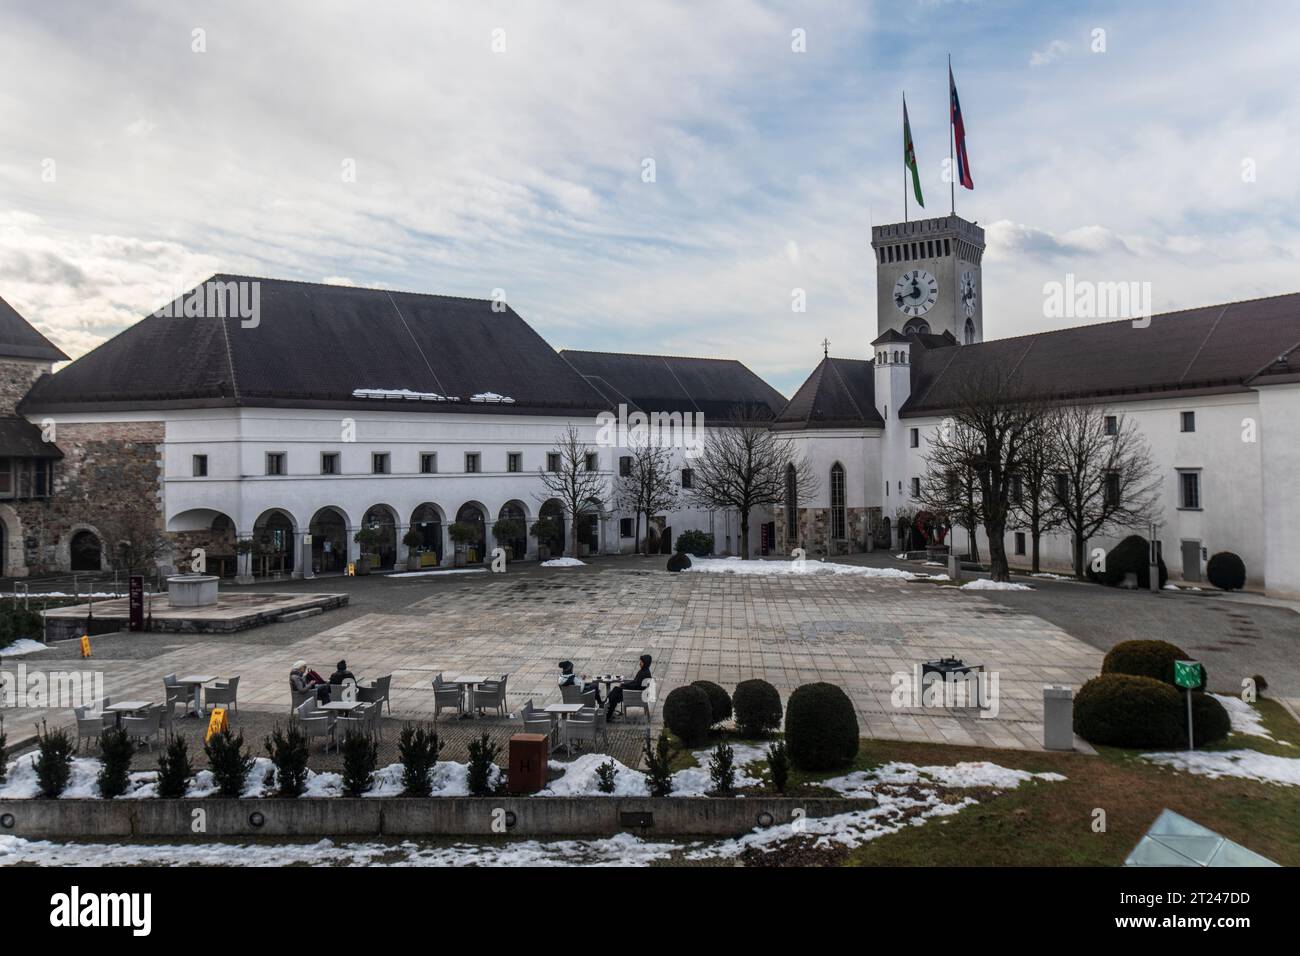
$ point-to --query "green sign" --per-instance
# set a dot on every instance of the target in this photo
(1188, 674)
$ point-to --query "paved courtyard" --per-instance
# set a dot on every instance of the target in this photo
(852, 631)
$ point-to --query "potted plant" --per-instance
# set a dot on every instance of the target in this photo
(506, 531)
(413, 540)
(547, 533)
(462, 534)
(368, 538)
(243, 560)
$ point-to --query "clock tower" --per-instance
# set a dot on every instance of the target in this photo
(928, 277)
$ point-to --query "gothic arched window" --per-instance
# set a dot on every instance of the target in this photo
(917, 326)
(970, 332)
(791, 505)
(838, 522)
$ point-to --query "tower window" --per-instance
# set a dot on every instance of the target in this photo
(791, 503)
(837, 502)
(947, 249)
(970, 332)
(914, 437)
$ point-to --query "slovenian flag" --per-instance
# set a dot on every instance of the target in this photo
(909, 157)
(959, 135)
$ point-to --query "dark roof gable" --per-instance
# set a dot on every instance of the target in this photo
(840, 393)
(19, 338)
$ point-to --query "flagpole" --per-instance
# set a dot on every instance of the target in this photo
(904, 156)
(952, 134)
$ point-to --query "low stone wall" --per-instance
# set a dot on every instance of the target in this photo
(408, 817)
(69, 623)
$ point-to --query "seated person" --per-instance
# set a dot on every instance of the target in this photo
(302, 679)
(341, 673)
(570, 679)
(636, 683)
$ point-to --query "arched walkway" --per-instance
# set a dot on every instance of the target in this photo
(513, 511)
(85, 551)
(383, 519)
(552, 532)
(473, 514)
(329, 540)
(589, 527)
(426, 525)
(273, 533)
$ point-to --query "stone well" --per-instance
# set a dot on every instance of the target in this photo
(192, 590)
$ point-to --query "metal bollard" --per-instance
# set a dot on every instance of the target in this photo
(1058, 718)
(954, 567)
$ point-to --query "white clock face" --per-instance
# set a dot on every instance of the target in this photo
(916, 292)
(968, 293)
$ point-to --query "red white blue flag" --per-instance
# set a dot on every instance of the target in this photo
(959, 135)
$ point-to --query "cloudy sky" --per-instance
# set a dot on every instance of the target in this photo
(397, 144)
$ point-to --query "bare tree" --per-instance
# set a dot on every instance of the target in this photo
(1105, 479)
(950, 488)
(1033, 497)
(579, 488)
(743, 465)
(648, 487)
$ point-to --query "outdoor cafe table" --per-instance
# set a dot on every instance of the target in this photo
(563, 710)
(343, 705)
(125, 707)
(467, 684)
(196, 681)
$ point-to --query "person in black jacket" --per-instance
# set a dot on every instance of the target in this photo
(569, 679)
(636, 683)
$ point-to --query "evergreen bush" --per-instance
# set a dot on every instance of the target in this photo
(230, 762)
(821, 727)
(115, 753)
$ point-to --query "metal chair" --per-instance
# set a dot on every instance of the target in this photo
(573, 694)
(223, 692)
(314, 722)
(584, 725)
(178, 693)
(377, 692)
(89, 724)
(105, 718)
(539, 722)
(360, 721)
(491, 693)
(445, 695)
(298, 697)
(144, 729)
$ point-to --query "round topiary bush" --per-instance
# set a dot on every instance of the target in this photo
(1226, 571)
(698, 543)
(1131, 555)
(679, 562)
(758, 707)
(719, 700)
(1147, 659)
(1210, 720)
(821, 727)
(687, 714)
(1122, 710)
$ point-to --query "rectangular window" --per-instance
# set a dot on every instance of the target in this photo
(1112, 425)
(625, 527)
(625, 465)
(1020, 542)
(916, 487)
(275, 463)
(514, 461)
(1062, 487)
(471, 463)
(379, 463)
(1112, 490)
(593, 462)
(1189, 490)
(688, 477)
(1189, 421)
(329, 463)
(914, 437)
(428, 462)
(6, 476)
(200, 466)
(552, 461)
(1017, 488)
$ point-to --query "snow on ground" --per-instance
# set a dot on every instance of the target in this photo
(1246, 764)
(988, 584)
(564, 563)
(425, 574)
(24, 645)
(863, 783)
(580, 775)
(1245, 718)
(736, 566)
(1054, 577)
(1170, 586)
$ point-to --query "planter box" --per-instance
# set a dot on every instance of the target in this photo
(400, 816)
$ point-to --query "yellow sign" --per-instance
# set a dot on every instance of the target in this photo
(85, 645)
(217, 722)
(352, 569)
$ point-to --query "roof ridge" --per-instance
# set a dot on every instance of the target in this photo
(651, 355)
(354, 288)
(416, 342)
(1197, 354)
(685, 391)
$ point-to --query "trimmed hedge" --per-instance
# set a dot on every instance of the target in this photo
(719, 700)
(1123, 710)
(758, 707)
(1148, 659)
(679, 562)
(1131, 555)
(687, 714)
(821, 727)
(698, 543)
(1210, 720)
(17, 622)
(1226, 571)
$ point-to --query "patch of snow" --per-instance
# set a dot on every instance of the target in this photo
(1245, 718)
(988, 584)
(564, 563)
(580, 775)
(1170, 586)
(425, 574)
(1053, 577)
(1245, 764)
(24, 645)
(492, 398)
(403, 393)
(864, 783)
(736, 566)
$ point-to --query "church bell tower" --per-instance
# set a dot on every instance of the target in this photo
(928, 277)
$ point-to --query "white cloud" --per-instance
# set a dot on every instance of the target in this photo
(1050, 53)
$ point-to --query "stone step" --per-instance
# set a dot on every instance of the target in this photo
(299, 615)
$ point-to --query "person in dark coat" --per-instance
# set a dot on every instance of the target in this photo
(569, 679)
(341, 673)
(636, 683)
